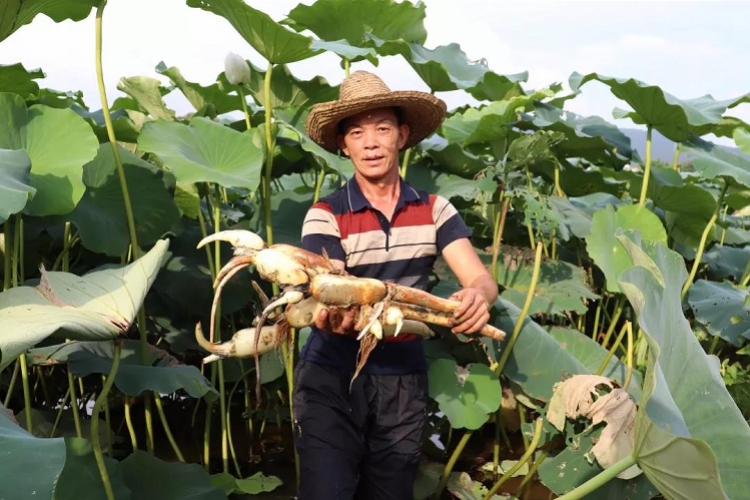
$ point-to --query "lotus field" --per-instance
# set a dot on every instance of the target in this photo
(624, 283)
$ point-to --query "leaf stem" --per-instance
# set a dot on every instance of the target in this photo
(71, 381)
(319, 185)
(7, 263)
(698, 256)
(347, 67)
(12, 383)
(405, 163)
(612, 350)
(499, 229)
(629, 374)
(451, 463)
(600, 479)
(217, 326)
(615, 318)
(129, 424)
(168, 431)
(500, 366)
(26, 392)
(95, 421)
(521, 461)
(676, 156)
(268, 111)
(647, 172)
(141, 316)
(248, 127)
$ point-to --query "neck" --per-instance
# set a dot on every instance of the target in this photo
(382, 190)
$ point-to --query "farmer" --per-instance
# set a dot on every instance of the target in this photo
(366, 442)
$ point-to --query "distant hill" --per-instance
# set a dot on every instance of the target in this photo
(661, 147)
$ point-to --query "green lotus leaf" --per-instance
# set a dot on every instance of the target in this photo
(726, 262)
(17, 13)
(270, 39)
(463, 487)
(447, 68)
(561, 287)
(591, 137)
(725, 128)
(200, 97)
(575, 213)
(570, 468)
(152, 479)
(161, 373)
(16, 79)
(467, 396)
(331, 163)
(204, 151)
(452, 158)
(345, 50)
(742, 139)
(187, 199)
(422, 176)
(100, 216)
(604, 247)
(722, 309)
(15, 192)
(253, 485)
(288, 209)
(491, 122)
(336, 19)
(591, 354)
(148, 93)
(674, 118)
(80, 478)
(58, 142)
(99, 305)
(287, 91)
(711, 162)
(683, 445)
(538, 212)
(126, 129)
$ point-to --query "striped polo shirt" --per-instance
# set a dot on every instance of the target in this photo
(402, 250)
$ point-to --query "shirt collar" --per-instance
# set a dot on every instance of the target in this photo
(357, 200)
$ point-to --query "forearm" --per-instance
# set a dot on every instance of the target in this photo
(486, 286)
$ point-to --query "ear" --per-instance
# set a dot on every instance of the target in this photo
(403, 135)
(342, 144)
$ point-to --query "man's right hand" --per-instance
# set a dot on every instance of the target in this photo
(337, 320)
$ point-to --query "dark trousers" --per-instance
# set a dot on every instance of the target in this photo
(363, 444)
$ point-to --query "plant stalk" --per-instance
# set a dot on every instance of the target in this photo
(71, 381)
(698, 256)
(497, 241)
(500, 366)
(7, 262)
(524, 458)
(26, 392)
(647, 172)
(405, 163)
(676, 156)
(268, 111)
(615, 318)
(95, 421)
(168, 431)
(141, 316)
(614, 347)
(222, 392)
(248, 127)
(451, 463)
(629, 374)
(319, 185)
(129, 423)
(600, 479)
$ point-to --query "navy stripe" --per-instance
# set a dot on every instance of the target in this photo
(452, 230)
(368, 249)
(317, 242)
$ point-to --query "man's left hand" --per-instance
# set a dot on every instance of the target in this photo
(473, 312)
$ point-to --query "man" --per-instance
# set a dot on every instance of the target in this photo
(365, 442)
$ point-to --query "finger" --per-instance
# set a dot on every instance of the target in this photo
(347, 321)
(473, 309)
(466, 299)
(473, 324)
(321, 321)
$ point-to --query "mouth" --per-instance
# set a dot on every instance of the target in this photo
(373, 159)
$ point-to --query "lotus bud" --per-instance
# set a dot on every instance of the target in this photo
(236, 69)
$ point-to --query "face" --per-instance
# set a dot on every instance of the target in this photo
(372, 140)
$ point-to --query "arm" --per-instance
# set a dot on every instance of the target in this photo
(479, 291)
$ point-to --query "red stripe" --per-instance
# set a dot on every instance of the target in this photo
(414, 215)
(355, 223)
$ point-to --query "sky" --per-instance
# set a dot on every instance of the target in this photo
(689, 49)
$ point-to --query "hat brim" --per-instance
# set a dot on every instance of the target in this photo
(422, 112)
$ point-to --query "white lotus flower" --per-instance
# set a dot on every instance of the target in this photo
(236, 69)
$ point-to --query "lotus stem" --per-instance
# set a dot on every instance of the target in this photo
(524, 458)
(451, 463)
(167, 430)
(558, 188)
(498, 239)
(698, 256)
(600, 479)
(207, 429)
(611, 352)
(217, 328)
(723, 229)
(71, 381)
(347, 66)
(95, 420)
(141, 316)
(496, 444)
(597, 317)
(17, 250)
(714, 343)
(268, 111)
(21, 250)
(129, 423)
(647, 172)
(108, 422)
(7, 263)
(12, 383)
(532, 471)
(500, 366)
(676, 156)
(26, 392)
(629, 374)
(204, 233)
(405, 163)
(248, 127)
(59, 414)
(615, 318)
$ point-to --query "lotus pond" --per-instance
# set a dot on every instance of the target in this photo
(624, 281)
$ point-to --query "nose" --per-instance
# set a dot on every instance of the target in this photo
(370, 139)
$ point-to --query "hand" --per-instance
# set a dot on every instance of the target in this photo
(336, 320)
(473, 312)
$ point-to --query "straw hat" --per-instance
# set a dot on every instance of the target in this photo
(422, 112)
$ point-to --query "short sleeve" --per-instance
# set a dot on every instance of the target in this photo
(448, 222)
(320, 231)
